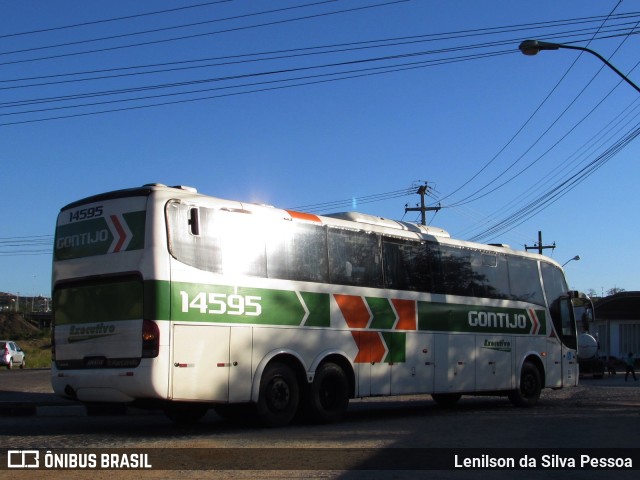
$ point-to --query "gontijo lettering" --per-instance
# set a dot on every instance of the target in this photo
(497, 320)
(82, 239)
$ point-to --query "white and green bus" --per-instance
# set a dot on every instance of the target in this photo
(171, 299)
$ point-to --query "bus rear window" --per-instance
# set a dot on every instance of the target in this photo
(99, 302)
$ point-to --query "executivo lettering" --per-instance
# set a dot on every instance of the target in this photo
(78, 334)
(499, 345)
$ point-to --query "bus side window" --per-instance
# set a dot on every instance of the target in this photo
(297, 252)
(524, 280)
(490, 275)
(555, 287)
(354, 258)
(456, 271)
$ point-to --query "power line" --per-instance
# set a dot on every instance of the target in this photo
(350, 202)
(296, 52)
(108, 20)
(346, 75)
(163, 29)
(31, 245)
(552, 195)
(200, 35)
(532, 209)
(474, 196)
(301, 82)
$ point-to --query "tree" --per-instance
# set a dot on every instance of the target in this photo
(614, 290)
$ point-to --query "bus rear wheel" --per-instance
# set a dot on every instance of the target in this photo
(279, 395)
(528, 393)
(329, 397)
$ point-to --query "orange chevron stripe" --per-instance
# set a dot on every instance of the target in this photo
(406, 310)
(354, 310)
(371, 347)
(303, 216)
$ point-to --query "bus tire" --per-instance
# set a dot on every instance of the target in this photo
(185, 413)
(329, 396)
(528, 393)
(446, 399)
(279, 395)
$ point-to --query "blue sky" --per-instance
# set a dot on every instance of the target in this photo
(296, 107)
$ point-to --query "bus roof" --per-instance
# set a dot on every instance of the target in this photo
(352, 220)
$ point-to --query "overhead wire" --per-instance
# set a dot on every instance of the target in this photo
(28, 245)
(348, 202)
(174, 27)
(200, 35)
(307, 51)
(530, 212)
(346, 75)
(611, 31)
(471, 197)
(109, 20)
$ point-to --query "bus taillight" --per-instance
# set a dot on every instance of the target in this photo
(150, 339)
(53, 344)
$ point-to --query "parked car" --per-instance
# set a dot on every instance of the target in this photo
(11, 354)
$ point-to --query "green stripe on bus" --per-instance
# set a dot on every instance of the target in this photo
(135, 221)
(384, 316)
(397, 345)
(319, 309)
(156, 300)
(245, 305)
(443, 317)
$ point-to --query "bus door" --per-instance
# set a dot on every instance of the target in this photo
(565, 326)
(211, 363)
(200, 362)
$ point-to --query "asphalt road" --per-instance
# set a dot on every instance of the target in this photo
(597, 414)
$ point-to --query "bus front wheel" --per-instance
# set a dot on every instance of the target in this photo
(528, 393)
(279, 395)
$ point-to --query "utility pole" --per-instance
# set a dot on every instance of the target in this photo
(423, 209)
(539, 246)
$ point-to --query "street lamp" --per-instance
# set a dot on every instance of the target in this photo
(577, 257)
(532, 47)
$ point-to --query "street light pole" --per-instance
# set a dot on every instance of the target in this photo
(532, 47)
(577, 257)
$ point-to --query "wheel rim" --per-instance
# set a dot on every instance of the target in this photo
(328, 395)
(279, 394)
(528, 385)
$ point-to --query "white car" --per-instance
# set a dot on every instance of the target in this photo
(11, 354)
